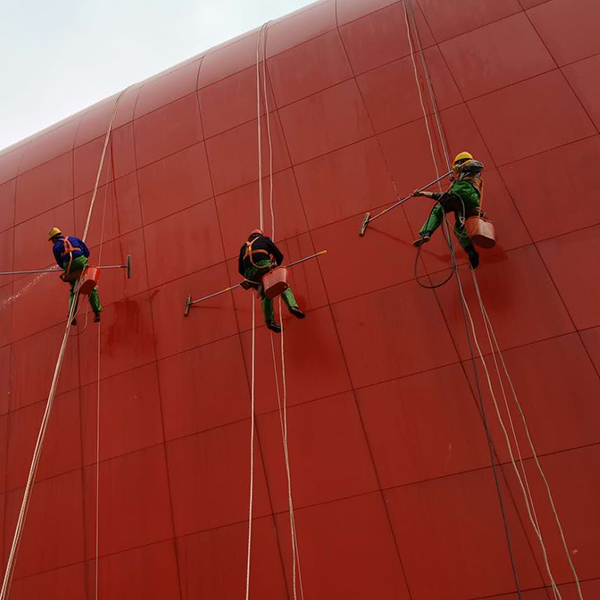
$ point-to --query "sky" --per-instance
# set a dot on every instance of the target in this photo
(60, 56)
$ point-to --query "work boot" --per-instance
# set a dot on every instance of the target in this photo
(425, 237)
(297, 312)
(274, 326)
(473, 256)
(97, 317)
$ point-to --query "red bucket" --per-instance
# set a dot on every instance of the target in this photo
(89, 280)
(481, 232)
(275, 282)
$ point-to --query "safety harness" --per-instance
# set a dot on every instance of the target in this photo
(249, 253)
(68, 249)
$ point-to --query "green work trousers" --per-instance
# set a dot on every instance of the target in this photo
(470, 198)
(77, 267)
(255, 274)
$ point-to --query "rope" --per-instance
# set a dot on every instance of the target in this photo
(97, 529)
(252, 388)
(284, 431)
(428, 79)
(39, 445)
(296, 572)
(259, 132)
(8, 575)
(528, 500)
(412, 56)
(106, 140)
(97, 516)
(496, 350)
(284, 434)
(446, 229)
(525, 487)
(268, 119)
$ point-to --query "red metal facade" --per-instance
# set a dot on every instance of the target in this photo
(393, 486)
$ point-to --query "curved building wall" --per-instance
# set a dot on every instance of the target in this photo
(392, 480)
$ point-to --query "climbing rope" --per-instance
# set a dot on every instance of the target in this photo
(252, 392)
(521, 476)
(446, 229)
(431, 148)
(524, 488)
(296, 572)
(497, 351)
(253, 367)
(26, 501)
(261, 61)
(97, 515)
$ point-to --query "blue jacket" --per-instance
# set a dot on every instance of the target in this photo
(79, 249)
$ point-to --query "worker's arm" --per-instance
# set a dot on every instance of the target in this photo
(433, 195)
(274, 250)
(84, 248)
(57, 251)
(241, 261)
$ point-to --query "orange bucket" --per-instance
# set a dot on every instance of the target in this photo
(89, 280)
(481, 232)
(275, 282)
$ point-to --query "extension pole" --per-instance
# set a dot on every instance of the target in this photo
(189, 302)
(368, 219)
(54, 270)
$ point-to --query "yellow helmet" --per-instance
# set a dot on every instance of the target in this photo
(461, 157)
(54, 231)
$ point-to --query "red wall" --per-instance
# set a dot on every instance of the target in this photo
(392, 480)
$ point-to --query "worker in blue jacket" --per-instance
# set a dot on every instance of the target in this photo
(71, 255)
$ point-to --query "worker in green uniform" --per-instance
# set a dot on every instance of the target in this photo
(71, 254)
(257, 257)
(463, 199)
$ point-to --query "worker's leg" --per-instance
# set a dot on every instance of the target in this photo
(267, 307)
(95, 301)
(72, 297)
(290, 302)
(470, 204)
(433, 221)
(461, 233)
(255, 274)
(289, 299)
(431, 224)
(75, 269)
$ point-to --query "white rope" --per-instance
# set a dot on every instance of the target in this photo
(268, 119)
(106, 140)
(528, 505)
(16, 543)
(412, 56)
(429, 85)
(251, 502)
(446, 226)
(284, 431)
(259, 132)
(525, 487)
(496, 349)
(8, 575)
(296, 573)
(252, 390)
(97, 545)
(282, 406)
(97, 524)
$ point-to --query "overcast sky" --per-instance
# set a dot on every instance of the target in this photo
(59, 56)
